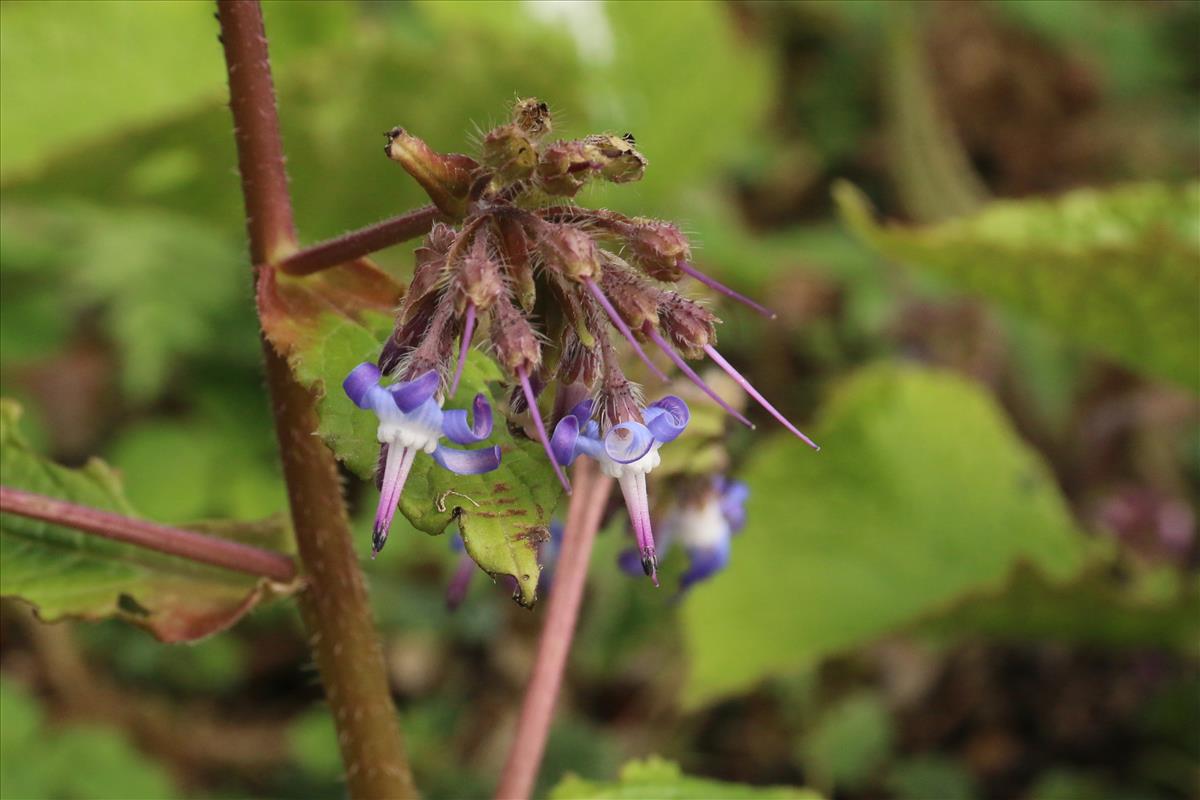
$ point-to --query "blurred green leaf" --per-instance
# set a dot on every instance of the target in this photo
(926, 777)
(920, 494)
(78, 762)
(849, 742)
(64, 572)
(663, 780)
(1116, 270)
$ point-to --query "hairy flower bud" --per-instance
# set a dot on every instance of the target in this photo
(509, 153)
(688, 325)
(516, 344)
(533, 117)
(480, 276)
(658, 247)
(565, 166)
(569, 250)
(635, 299)
(445, 178)
(430, 260)
(621, 162)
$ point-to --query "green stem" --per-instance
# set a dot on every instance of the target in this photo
(334, 606)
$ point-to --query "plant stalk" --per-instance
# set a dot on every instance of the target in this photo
(150, 535)
(334, 606)
(537, 710)
(359, 243)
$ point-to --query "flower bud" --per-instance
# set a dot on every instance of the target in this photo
(480, 276)
(533, 117)
(657, 248)
(430, 260)
(565, 166)
(635, 299)
(509, 153)
(621, 162)
(514, 340)
(445, 178)
(578, 364)
(569, 250)
(687, 324)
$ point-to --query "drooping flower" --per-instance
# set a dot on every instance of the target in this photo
(704, 526)
(411, 421)
(627, 449)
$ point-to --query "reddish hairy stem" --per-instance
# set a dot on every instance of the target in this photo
(172, 541)
(537, 711)
(334, 606)
(362, 242)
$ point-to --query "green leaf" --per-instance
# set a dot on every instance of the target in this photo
(1115, 270)
(82, 762)
(664, 780)
(66, 573)
(921, 493)
(849, 742)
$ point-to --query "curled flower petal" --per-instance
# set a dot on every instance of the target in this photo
(458, 430)
(359, 383)
(467, 462)
(583, 411)
(411, 394)
(562, 443)
(666, 418)
(627, 442)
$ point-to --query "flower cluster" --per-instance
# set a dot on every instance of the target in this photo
(552, 281)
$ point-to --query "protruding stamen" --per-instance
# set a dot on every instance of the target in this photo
(686, 369)
(395, 473)
(623, 328)
(750, 390)
(468, 332)
(523, 377)
(633, 487)
(723, 289)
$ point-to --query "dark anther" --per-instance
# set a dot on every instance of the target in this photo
(629, 138)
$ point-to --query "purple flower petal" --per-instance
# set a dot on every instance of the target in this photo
(411, 394)
(733, 496)
(361, 380)
(460, 582)
(666, 418)
(562, 443)
(630, 562)
(395, 475)
(627, 442)
(467, 462)
(583, 411)
(458, 430)
(704, 563)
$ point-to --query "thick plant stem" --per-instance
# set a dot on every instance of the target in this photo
(150, 535)
(334, 606)
(537, 710)
(359, 243)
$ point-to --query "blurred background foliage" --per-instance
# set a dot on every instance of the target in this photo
(983, 587)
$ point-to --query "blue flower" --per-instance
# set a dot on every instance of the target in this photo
(411, 420)
(704, 528)
(627, 451)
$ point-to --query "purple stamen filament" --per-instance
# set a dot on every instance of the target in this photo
(623, 328)
(750, 390)
(723, 289)
(678, 361)
(468, 332)
(531, 401)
